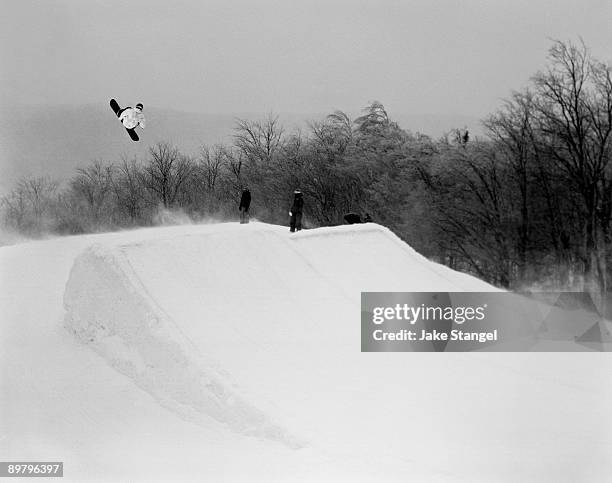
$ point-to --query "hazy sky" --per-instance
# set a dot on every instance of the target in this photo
(415, 56)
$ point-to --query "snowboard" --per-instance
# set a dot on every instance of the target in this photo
(117, 110)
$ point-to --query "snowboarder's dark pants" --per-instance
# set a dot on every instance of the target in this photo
(296, 222)
(244, 216)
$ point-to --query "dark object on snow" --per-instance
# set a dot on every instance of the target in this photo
(245, 203)
(367, 218)
(295, 223)
(352, 218)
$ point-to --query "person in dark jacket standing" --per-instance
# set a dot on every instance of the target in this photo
(245, 203)
(296, 211)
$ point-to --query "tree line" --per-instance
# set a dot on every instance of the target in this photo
(528, 204)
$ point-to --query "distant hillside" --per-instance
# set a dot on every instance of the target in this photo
(53, 141)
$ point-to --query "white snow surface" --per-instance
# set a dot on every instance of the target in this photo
(229, 352)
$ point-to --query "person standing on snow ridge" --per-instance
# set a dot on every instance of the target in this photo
(296, 211)
(131, 117)
(245, 203)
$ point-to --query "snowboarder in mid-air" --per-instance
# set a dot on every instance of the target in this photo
(130, 117)
(295, 223)
(245, 203)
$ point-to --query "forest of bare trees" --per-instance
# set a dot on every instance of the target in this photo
(530, 204)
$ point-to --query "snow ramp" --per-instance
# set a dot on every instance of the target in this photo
(213, 352)
(231, 322)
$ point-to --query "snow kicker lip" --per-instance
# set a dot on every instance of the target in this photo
(108, 309)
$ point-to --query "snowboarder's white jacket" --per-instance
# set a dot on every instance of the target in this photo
(132, 117)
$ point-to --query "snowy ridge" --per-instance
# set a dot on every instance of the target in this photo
(190, 337)
(380, 236)
(175, 313)
(124, 325)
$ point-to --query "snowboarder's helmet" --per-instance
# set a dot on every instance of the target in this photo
(139, 106)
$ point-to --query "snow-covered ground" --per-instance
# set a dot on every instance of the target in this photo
(230, 352)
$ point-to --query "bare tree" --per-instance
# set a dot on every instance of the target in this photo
(211, 162)
(15, 209)
(334, 134)
(28, 206)
(512, 131)
(474, 211)
(574, 103)
(375, 117)
(166, 172)
(259, 141)
(92, 187)
(129, 189)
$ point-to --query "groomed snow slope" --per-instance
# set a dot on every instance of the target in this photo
(225, 323)
(230, 352)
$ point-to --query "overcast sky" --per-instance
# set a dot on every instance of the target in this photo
(415, 56)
